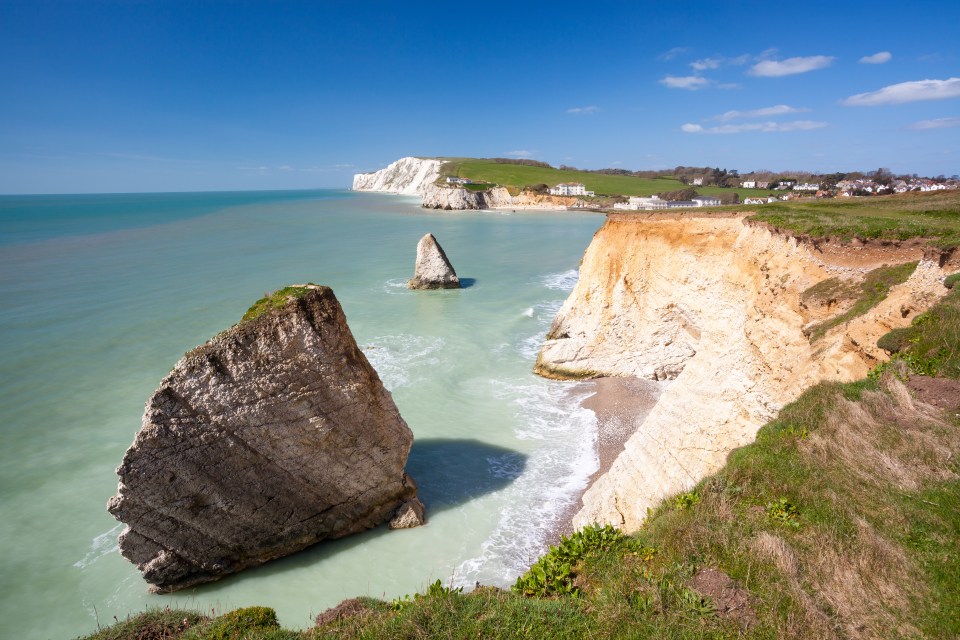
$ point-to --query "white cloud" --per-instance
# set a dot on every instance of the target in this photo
(936, 123)
(583, 111)
(907, 92)
(285, 167)
(765, 112)
(877, 58)
(706, 64)
(765, 127)
(522, 153)
(691, 83)
(672, 53)
(790, 66)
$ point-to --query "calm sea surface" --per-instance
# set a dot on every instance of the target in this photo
(102, 294)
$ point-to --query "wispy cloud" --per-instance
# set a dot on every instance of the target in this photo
(691, 83)
(936, 123)
(672, 53)
(907, 92)
(521, 153)
(790, 66)
(764, 127)
(706, 64)
(765, 112)
(878, 58)
(583, 111)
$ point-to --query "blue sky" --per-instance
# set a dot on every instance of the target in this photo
(181, 96)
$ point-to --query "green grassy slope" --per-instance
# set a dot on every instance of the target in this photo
(515, 175)
(934, 215)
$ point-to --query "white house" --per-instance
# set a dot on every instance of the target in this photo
(570, 189)
(456, 180)
(749, 184)
(698, 182)
(706, 201)
(806, 186)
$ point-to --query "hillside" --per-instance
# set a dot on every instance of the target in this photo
(518, 176)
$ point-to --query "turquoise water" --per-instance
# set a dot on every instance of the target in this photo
(103, 294)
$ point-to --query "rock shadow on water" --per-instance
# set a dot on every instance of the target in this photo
(448, 473)
(466, 283)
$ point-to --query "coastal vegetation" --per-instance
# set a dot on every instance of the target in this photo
(934, 216)
(841, 520)
(276, 300)
(516, 176)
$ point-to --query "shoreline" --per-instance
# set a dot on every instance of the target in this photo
(621, 404)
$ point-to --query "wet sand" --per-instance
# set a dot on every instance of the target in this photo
(621, 405)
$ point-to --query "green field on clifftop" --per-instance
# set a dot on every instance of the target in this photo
(517, 175)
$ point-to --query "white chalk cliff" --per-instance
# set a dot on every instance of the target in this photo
(407, 176)
(713, 304)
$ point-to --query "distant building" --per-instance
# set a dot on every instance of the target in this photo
(806, 186)
(570, 189)
(706, 201)
(456, 180)
(749, 184)
(697, 182)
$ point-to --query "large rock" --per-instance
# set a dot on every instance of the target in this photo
(272, 436)
(432, 270)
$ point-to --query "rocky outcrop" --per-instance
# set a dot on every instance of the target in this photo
(270, 437)
(432, 269)
(406, 176)
(713, 305)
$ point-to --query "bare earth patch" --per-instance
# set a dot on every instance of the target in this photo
(943, 393)
(731, 600)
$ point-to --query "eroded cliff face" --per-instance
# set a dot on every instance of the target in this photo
(274, 435)
(458, 198)
(407, 176)
(713, 305)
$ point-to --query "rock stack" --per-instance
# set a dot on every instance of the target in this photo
(272, 436)
(432, 269)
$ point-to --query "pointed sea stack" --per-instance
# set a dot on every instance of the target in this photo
(432, 270)
(272, 436)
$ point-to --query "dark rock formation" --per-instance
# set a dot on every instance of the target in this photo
(272, 436)
(432, 269)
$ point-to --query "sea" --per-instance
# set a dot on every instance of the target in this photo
(102, 294)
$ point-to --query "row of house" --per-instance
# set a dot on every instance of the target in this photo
(653, 203)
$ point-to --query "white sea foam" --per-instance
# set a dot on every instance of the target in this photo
(564, 281)
(400, 359)
(101, 545)
(395, 286)
(553, 475)
(543, 313)
(528, 312)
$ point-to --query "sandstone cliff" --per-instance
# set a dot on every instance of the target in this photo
(272, 436)
(712, 304)
(406, 176)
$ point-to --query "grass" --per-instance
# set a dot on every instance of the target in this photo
(516, 176)
(931, 344)
(871, 292)
(934, 215)
(276, 300)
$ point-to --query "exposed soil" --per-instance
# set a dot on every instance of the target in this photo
(940, 392)
(730, 599)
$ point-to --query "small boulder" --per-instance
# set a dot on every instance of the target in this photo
(409, 515)
(432, 269)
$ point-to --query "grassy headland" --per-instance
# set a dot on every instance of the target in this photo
(517, 176)
(842, 520)
(933, 215)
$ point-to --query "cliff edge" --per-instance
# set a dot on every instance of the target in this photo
(407, 176)
(272, 436)
(713, 305)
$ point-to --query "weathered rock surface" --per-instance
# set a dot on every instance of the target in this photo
(457, 199)
(409, 515)
(432, 269)
(406, 176)
(272, 436)
(712, 304)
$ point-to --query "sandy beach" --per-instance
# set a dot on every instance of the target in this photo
(621, 405)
